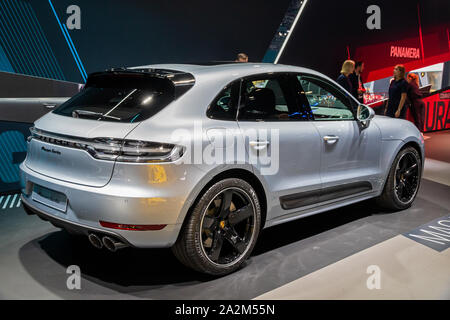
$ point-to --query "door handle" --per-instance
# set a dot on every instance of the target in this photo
(259, 145)
(331, 139)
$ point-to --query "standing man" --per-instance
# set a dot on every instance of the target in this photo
(242, 57)
(357, 84)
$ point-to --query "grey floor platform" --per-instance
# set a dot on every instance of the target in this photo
(437, 145)
(34, 255)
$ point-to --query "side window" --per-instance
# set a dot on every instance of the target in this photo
(268, 99)
(325, 101)
(224, 106)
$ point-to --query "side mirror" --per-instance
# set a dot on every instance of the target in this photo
(364, 115)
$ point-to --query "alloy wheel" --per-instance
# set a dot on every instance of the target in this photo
(228, 226)
(406, 181)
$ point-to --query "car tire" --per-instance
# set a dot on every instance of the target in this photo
(208, 224)
(391, 199)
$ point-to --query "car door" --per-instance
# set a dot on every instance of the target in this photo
(282, 143)
(350, 154)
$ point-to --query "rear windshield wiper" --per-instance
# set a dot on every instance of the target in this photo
(77, 113)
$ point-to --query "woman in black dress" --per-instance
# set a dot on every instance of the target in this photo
(416, 104)
(397, 94)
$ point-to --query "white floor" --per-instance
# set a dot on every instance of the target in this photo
(398, 268)
(437, 171)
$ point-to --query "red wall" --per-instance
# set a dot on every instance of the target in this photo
(437, 111)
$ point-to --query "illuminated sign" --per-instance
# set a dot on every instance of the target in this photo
(437, 111)
(405, 52)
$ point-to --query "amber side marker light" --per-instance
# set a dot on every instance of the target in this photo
(133, 227)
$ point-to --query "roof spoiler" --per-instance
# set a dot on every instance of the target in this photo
(178, 81)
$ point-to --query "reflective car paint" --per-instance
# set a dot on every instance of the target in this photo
(140, 193)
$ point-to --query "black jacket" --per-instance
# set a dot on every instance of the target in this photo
(345, 83)
(355, 84)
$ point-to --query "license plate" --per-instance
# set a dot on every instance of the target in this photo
(50, 198)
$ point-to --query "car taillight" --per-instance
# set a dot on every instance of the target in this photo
(134, 151)
(104, 148)
(115, 149)
(133, 227)
(142, 151)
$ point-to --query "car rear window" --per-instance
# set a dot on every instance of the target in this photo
(120, 97)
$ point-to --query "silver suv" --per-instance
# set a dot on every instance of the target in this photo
(200, 158)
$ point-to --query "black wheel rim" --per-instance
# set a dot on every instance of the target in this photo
(227, 226)
(406, 178)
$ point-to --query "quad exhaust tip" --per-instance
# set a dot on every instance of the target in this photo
(95, 241)
(109, 243)
(112, 244)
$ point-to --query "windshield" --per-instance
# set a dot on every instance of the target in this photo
(127, 97)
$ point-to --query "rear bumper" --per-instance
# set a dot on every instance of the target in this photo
(66, 224)
(117, 203)
(139, 239)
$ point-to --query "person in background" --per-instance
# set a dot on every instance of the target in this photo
(347, 68)
(397, 94)
(357, 84)
(416, 104)
(242, 57)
